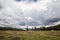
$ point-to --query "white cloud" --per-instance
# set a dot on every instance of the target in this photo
(23, 12)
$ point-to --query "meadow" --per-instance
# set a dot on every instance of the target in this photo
(29, 35)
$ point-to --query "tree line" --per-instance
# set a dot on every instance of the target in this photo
(57, 27)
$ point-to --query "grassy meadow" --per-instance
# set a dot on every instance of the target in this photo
(29, 35)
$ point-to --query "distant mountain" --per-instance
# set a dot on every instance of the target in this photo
(57, 27)
(9, 28)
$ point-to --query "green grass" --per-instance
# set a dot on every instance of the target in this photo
(29, 35)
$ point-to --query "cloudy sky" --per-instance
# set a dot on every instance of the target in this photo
(15, 13)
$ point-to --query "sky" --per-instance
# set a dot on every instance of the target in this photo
(17, 13)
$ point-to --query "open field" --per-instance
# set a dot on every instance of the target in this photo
(29, 35)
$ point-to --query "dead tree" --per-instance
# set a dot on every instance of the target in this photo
(27, 28)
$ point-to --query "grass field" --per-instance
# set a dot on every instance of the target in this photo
(29, 35)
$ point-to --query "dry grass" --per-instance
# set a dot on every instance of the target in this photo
(29, 35)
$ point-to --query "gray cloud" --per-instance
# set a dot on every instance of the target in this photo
(25, 12)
